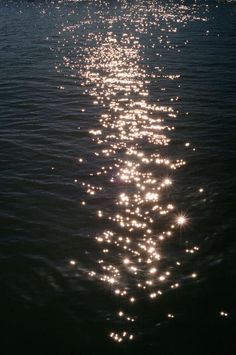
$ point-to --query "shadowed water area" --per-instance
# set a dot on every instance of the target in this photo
(117, 177)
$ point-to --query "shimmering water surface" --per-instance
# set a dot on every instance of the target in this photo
(117, 177)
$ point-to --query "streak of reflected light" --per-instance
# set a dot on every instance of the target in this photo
(131, 139)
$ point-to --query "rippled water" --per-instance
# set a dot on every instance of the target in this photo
(117, 177)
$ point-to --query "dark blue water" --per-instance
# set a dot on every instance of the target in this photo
(117, 177)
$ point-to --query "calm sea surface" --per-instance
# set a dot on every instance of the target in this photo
(118, 123)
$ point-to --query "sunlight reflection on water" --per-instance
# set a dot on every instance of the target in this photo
(132, 135)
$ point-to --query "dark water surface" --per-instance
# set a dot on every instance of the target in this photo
(117, 177)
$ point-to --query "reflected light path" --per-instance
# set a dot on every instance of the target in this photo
(131, 140)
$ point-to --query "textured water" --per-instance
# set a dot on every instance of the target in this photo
(117, 177)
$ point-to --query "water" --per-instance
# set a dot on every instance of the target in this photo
(117, 177)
